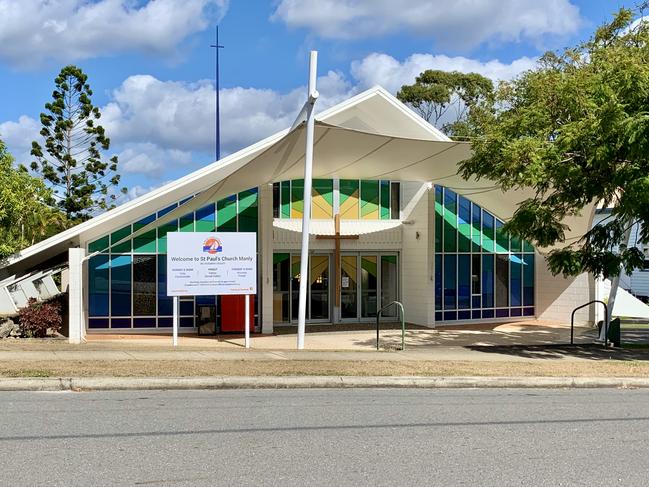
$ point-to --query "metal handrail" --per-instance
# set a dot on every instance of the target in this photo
(403, 323)
(572, 320)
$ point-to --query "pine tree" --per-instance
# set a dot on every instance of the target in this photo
(72, 162)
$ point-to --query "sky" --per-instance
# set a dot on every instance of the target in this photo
(152, 70)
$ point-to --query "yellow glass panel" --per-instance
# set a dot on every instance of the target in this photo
(349, 208)
(320, 207)
(319, 268)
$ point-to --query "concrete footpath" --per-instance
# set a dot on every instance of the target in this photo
(80, 384)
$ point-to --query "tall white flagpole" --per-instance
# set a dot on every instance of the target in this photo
(306, 217)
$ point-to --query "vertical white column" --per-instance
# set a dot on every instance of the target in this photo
(266, 257)
(306, 217)
(175, 321)
(77, 316)
(247, 325)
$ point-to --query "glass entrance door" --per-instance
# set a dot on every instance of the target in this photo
(349, 287)
(319, 287)
(369, 285)
(389, 284)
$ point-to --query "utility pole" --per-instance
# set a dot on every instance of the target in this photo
(217, 46)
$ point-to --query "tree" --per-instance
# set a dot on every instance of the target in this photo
(27, 209)
(72, 164)
(445, 98)
(576, 131)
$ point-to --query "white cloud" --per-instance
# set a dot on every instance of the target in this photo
(390, 73)
(147, 158)
(457, 24)
(181, 116)
(19, 136)
(33, 31)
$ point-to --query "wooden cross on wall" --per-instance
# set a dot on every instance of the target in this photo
(337, 237)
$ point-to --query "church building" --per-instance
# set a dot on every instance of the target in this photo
(391, 221)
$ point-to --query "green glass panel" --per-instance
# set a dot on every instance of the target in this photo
(297, 198)
(99, 245)
(385, 200)
(145, 243)
(285, 196)
(248, 210)
(187, 223)
(280, 257)
(516, 243)
(162, 235)
(370, 200)
(502, 239)
(349, 207)
(226, 214)
(527, 247)
(450, 221)
(124, 247)
(439, 218)
(488, 231)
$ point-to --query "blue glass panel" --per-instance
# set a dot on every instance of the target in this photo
(476, 233)
(165, 303)
(464, 315)
(98, 285)
(488, 313)
(488, 234)
(205, 218)
(502, 313)
(450, 282)
(439, 284)
(476, 302)
(120, 323)
(515, 280)
(186, 308)
(450, 315)
(205, 300)
(475, 314)
(167, 210)
(528, 311)
(98, 323)
(186, 322)
(463, 281)
(144, 322)
(120, 285)
(528, 280)
(166, 322)
(464, 225)
(439, 316)
(487, 281)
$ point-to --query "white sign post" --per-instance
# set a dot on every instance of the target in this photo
(211, 263)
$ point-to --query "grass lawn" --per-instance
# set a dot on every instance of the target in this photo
(152, 368)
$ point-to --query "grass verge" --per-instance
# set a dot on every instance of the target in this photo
(152, 368)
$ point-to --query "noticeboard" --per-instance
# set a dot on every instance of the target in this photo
(211, 263)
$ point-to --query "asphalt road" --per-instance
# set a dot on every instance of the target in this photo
(326, 437)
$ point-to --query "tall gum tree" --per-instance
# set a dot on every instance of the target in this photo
(576, 131)
(71, 162)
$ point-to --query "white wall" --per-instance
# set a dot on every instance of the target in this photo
(417, 255)
(557, 297)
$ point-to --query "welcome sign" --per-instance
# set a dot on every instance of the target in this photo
(211, 263)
